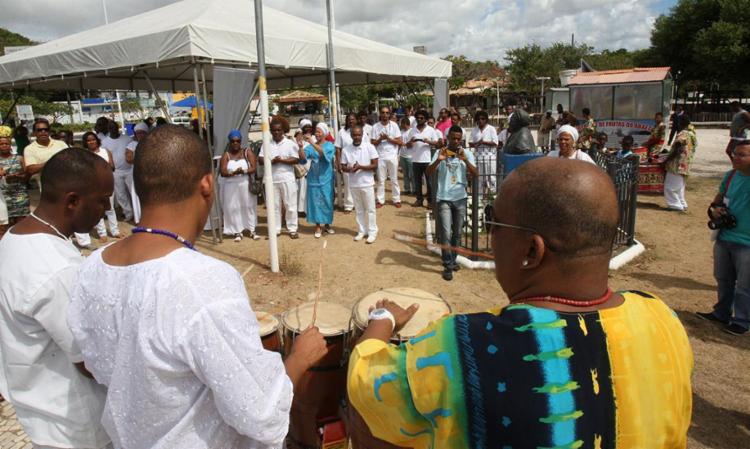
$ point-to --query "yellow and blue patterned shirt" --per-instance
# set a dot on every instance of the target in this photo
(530, 377)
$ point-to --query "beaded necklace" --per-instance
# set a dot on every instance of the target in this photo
(140, 229)
(51, 226)
(568, 302)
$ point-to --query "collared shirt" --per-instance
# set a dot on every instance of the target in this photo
(344, 138)
(282, 173)
(35, 153)
(118, 148)
(361, 154)
(420, 151)
(175, 341)
(452, 177)
(56, 404)
(386, 150)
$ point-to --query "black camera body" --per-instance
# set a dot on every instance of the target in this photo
(725, 221)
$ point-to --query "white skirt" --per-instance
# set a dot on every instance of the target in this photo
(239, 205)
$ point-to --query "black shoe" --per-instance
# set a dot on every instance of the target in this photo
(456, 267)
(417, 203)
(448, 274)
(709, 316)
(735, 329)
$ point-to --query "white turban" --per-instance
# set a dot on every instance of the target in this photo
(569, 130)
(304, 122)
(140, 127)
(323, 127)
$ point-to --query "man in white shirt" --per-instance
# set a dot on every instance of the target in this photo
(284, 154)
(170, 331)
(484, 142)
(567, 136)
(420, 140)
(43, 375)
(359, 160)
(366, 127)
(386, 136)
(37, 153)
(117, 144)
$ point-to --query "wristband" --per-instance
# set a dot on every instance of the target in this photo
(383, 314)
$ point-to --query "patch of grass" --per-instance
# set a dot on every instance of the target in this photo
(290, 266)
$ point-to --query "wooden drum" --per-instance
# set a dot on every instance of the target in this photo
(270, 336)
(322, 387)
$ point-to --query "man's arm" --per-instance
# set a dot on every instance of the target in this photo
(432, 168)
(469, 165)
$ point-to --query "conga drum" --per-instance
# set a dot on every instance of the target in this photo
(650, 175)
(268, 328)
(321, 389)
(431, 308)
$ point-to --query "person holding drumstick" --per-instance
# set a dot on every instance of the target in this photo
(568, 364)
(170, 331)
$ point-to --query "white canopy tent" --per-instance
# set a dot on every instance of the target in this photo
(166, 43)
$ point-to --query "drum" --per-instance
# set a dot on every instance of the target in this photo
(650, 176)
(431, 308)
(270, 336)
(321, 389)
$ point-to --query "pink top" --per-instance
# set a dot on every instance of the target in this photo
(442, 126)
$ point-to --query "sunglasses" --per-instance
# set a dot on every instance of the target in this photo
(236, 141)
(492, 226)
(41, 130)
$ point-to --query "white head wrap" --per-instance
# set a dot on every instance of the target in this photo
(569, 130)
(304, 122)
(323, 127)
(140, 127)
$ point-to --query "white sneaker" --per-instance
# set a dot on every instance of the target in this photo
(358, 237)
(238, 237)
(370, 239)
(254, 236)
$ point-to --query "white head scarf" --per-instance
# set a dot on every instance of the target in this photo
(323, 127)
(140, 127)
(304, 122)
(569, 130)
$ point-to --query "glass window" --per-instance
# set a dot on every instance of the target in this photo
(638, 101)
(596, 98)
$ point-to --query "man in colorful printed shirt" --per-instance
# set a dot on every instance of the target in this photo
(588, 130)
(568, 364)
(677, 165)
(656, 139)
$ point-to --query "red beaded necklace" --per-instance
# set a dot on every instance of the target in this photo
(568, 302)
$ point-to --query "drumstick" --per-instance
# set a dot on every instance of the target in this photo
(320, 284)
(425, 243)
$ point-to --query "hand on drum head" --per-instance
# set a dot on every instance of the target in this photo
(310, 346)
(401, 315)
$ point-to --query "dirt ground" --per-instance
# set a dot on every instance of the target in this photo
(677, 266)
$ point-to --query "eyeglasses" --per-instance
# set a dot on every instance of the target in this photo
(385, 112)
(41, 130)
(494, 225)
(235, 141)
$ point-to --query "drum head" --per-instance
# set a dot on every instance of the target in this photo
(268, 323)
(431, 308)
(332, 319)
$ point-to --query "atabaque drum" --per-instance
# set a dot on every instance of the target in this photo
(650, 174)
(268, 328)
(431, 308)
(322, 388)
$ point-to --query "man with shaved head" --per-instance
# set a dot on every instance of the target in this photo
(170, 331)
(43, 375)
(568, 363)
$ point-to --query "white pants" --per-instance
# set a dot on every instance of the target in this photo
(285, 193)
(364, 205)
(344, 193)
(122, 193)
(134, 201)
(84, 239)
(674, 191)
(388, 168)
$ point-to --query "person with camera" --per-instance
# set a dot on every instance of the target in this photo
(730, 215)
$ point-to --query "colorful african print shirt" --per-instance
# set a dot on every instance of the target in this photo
(685, 143)
(588, 131)
(15, 193)
(530, 377)
(656, 138)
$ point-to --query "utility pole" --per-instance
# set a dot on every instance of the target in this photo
(541, 96)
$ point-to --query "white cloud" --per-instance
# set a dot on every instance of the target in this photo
(479, 29)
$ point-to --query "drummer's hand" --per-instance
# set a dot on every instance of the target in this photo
(401, 315)
(310, 346)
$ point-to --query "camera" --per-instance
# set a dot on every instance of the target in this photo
(724, 221)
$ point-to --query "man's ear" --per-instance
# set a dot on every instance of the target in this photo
(206, 185)
(71, 200)
(535, 252)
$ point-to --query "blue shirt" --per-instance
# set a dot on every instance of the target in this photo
(737, 198)
(452, 177)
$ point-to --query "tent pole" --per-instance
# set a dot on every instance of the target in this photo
(70, 107)
(199, 108)
(332, 72)
(264, 126)
(206, 109)
(157, 98)
(249, 105)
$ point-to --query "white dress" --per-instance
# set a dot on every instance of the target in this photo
(135, 202)
(239, 205)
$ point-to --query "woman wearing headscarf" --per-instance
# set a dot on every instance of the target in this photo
(240, 207)
(344, 139)
(14, 198)
(321, 153)
(139, 132)
(677, 164)
(305, 131)
(567, 136)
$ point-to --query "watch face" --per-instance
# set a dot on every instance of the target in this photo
(379, 313)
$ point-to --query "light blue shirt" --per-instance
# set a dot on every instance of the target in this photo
(452, 177)
(737, 199)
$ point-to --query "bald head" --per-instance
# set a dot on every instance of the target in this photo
(571, 203)
(169, 163)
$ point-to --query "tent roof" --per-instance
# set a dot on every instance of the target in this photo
(166, 42)
(636, 75)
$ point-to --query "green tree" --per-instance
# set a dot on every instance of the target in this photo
(527, 63)
(10, 39)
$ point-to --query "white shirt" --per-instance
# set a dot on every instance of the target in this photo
(488, 134)
(405, 151)
(56, 404)
(343, 138)
(362, 155)
(118, 147)
(177, 344)
(579, 155)
(366, 131)
(386, 150)
(420, 151)
(283, 173)
(3, 206)
(412, 121)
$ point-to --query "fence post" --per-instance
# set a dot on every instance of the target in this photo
(633, 201)
(474, 215)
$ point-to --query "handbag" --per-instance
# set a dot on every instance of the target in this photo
(256, 184)
(300, 171)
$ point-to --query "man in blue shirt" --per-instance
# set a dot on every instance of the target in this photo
(451, 166)
(732, 248)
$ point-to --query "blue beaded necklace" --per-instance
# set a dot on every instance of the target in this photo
(139, 229)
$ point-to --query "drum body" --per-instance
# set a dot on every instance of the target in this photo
(431, 308)
(321, 389)
(270, 335)
(650, 176)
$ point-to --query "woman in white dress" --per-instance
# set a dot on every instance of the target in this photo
(239, 205)
(140, 131)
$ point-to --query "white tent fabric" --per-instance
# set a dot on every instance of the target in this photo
(165, 42)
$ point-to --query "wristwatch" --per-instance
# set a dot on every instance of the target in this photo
(383, 314)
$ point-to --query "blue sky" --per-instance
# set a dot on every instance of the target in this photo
(479, 29)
